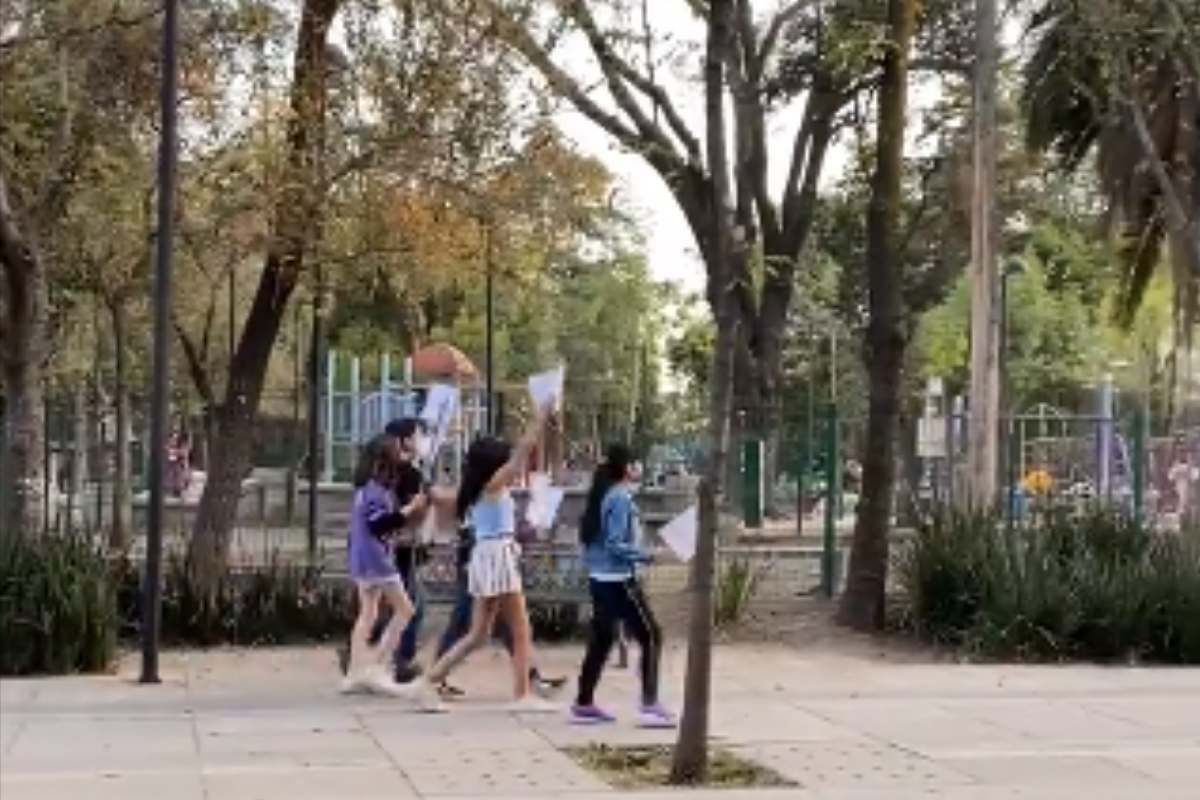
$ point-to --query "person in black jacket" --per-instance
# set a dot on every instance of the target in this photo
(409, 482)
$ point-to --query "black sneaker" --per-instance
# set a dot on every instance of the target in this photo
(547, 688)
(449, 692)
(407, 673)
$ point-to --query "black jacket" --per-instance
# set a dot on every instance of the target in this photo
(410, 482)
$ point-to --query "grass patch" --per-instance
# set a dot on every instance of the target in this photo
(649, 766)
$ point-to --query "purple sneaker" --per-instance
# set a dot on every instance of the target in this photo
(590, 715)
(656, 716)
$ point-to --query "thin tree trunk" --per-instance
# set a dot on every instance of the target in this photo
(80, 451)
(119, 536)
(690, 764)
(863, 605)
(22, 349)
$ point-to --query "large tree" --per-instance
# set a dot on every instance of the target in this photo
(644, 114)
(863, 604)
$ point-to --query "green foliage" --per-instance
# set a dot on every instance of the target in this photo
(58, 611)
(278, 603)
(1098, 587)
(736, 586)
(1052, 338)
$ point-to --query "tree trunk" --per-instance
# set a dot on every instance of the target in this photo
(297, 216)
(119, 537)
(690, 764)
(80, 452)
(22, 351)
(863, 606)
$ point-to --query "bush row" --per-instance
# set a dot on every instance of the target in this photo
(67, 606)
(1098, 587)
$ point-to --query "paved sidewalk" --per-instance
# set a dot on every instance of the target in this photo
(267, 725)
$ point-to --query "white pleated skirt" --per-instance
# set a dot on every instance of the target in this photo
(495, 568)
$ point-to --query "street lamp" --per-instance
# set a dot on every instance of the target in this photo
(1009, 461)
(489, 314)
(168, 155)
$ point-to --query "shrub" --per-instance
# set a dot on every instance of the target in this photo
(273, 604)
(58, 611)
(1097, 587)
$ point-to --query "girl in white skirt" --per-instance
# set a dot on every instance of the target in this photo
(494, 571)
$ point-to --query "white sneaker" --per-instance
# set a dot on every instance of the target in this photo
(379, 679)
(417, 691)
(532, 704)
(356, 681)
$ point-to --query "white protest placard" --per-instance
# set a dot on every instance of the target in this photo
(546, 388)
(544, 501)
(441, 403)
(680, 534)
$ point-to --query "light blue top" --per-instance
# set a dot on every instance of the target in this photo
(616, 553)
(494, 517)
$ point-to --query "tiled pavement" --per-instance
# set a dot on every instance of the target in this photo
(266, 725)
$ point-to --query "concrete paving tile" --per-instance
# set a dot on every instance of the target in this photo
(1050, 720)
(820, 765)
(910, 723)
(373, 783)
(775, 720)
(270, 721)
(1176, 769)
(499, 773)
(112, 787)
(302, 749)
(1047, 771)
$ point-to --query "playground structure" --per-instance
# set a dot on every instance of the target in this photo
(361, 395)
(1057, 459)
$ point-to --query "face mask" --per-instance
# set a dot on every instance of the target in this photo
(419, 445)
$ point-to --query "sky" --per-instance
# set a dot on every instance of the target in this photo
(671, 246)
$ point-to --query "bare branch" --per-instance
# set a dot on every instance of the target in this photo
(619, 76)
(777, 25)
(195, 364)
(515, 34)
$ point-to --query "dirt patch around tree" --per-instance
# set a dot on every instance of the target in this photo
(803, 622)
(649, 767)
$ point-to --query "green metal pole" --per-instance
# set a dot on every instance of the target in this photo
(1138, 467)
(833, 490)
(807, 449)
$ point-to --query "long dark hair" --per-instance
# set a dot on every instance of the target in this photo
(377, 461)
(484, 459)
(612, 470)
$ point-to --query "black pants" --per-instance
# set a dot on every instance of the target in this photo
(620, 603)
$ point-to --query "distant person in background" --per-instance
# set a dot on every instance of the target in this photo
(1182, 475)
(179, 460)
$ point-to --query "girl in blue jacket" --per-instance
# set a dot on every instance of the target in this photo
(612, 557)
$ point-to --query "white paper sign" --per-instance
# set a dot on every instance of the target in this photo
(544, 501)
(680, 534)
(440, 405)
(546, 388)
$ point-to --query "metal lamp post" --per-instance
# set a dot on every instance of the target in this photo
(489, 313)
(168, 154)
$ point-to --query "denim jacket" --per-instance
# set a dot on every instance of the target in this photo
(615, 554)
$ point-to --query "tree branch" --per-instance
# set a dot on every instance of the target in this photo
(517, 37)
(619, 76)
(197, 370)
